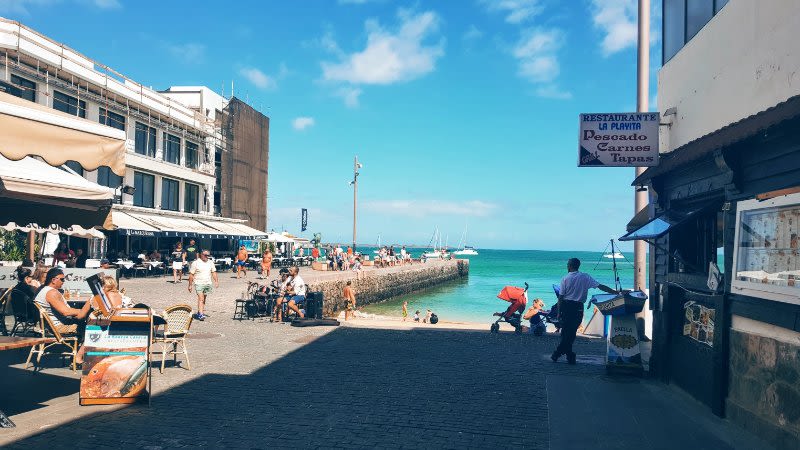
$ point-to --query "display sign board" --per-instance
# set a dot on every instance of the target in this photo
(618, 140)
(74, 279)
(116, 366)
(250, 245)
(623, 344)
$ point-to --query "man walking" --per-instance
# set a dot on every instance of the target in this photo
(192, 251)
(574, 289)
(241, 262)
(201, 273)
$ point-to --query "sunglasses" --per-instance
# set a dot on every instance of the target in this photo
(59, 278)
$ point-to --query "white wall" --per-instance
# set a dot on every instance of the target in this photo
(745, 60)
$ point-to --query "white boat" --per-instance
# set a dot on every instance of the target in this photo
(378, 244)
(465, 250)
(615, 255)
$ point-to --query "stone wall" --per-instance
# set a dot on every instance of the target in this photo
(764, 390)
(378, 285)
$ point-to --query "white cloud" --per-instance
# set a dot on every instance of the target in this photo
(536, 54)
(301, 123)
(553, 91)
(618, 21)
(517, 11)
(389, 56)
(257, 77)
(426, 208)
(190, 52)
(350, 95)
(472, 33)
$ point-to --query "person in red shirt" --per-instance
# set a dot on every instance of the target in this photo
(63, 254)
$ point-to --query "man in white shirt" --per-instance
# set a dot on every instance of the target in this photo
(296, 291)
(201, 273)
(574, 289)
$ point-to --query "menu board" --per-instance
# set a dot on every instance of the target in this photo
(623, 349)
(767, 247)
(116, 367)
(698, 323)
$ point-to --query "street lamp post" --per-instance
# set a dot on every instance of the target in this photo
(354, 183)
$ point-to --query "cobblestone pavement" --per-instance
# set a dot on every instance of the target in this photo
(256, 384)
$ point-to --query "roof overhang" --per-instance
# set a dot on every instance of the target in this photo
(31, 129)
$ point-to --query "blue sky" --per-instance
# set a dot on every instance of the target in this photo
(464, 113)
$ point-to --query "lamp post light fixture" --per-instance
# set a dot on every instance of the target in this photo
(356, 165)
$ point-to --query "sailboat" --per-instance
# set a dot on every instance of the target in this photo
(378, 245)
(437, 251)
(464, 249)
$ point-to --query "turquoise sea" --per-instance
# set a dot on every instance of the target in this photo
(475, 299)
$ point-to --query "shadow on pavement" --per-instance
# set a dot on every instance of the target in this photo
(351, 387)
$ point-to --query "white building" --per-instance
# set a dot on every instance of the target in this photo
(171, 147)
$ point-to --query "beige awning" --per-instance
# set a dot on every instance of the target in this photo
(74, 231)
(236, 230)
(174, 226)
(129, 225)
(29, 129)
(32, 191)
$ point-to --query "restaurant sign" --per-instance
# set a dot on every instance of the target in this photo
(73, 278)
(618, 140)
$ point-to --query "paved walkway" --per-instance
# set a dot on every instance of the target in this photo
(255, 384)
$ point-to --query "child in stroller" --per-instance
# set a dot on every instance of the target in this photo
(518, 297)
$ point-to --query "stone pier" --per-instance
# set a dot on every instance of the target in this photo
(375, 285)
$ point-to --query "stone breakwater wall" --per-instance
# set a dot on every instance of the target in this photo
(380, 284)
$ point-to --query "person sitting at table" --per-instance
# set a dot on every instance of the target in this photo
(279, 287)
(25, 282)
(241, 262)
(155, 256)
(105, 264)
(80, 258)
(112, 292)
(38, 278)
(64, 318)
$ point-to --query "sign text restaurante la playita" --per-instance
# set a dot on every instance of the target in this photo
(618, 140)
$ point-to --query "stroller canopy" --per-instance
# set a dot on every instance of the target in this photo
(512, 293)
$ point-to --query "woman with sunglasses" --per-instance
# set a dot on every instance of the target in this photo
(66, 320)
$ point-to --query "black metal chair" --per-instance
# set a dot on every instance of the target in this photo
(26, 315)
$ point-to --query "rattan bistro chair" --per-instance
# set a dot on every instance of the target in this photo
(68, 340)
(179, 320)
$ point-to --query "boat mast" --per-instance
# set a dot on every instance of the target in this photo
(614, 262)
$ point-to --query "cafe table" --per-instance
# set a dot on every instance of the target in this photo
(11, 343)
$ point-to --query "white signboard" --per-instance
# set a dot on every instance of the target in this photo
(618, 140)
(73, 278)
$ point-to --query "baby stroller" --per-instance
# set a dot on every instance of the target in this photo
(518, 297)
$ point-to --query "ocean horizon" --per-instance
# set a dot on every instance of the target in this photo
(474, 299)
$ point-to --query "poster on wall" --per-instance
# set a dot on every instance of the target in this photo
(698, 323)
(250, 245)
(618, 140)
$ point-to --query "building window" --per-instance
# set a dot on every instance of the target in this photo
(682, 20)
(75, 166)
(190, 198)
(144, 189)
(27, 88)
(191, 155)
(172, 149)
(106, 177)
(112, 119)
(169, 194)
(145, 140)
(69, 105)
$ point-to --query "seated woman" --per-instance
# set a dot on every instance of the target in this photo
(535, 315)
(112, 292)
(26, 282)
(64, 318)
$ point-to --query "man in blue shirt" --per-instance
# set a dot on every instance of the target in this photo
(574, 289)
